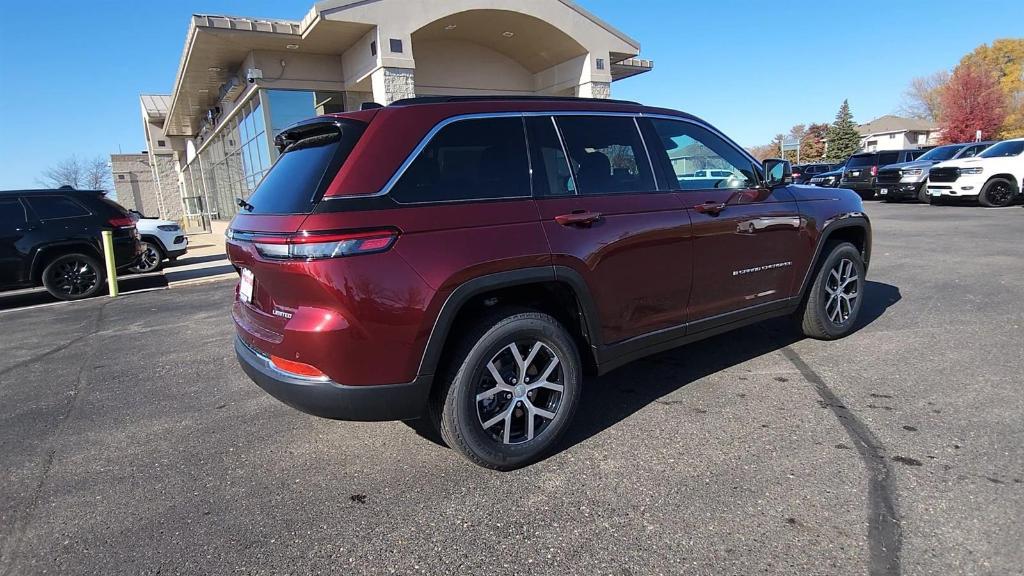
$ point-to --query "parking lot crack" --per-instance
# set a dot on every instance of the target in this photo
(21, 524)
(884, 530)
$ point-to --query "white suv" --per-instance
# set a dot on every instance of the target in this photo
(994, 176)
(161, 239)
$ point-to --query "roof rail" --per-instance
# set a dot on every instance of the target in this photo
(501, 98)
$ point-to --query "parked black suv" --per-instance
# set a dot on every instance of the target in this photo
(862, 169)
(802, 173)
(52, 238)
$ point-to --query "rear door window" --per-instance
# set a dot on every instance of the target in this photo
(305, 168)
(607, 154)
(551, 173)
(12, 214)
(886, 158)
(474, 159)
(56, 207)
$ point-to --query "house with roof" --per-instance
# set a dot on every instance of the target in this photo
(895, 133)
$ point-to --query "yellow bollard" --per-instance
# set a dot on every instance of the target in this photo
(108, 256)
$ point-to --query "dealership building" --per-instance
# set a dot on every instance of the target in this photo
(242, 80)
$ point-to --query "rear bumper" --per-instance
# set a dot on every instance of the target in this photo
(329, 399)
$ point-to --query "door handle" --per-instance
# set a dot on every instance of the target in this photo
(583, 218)
(710, 207)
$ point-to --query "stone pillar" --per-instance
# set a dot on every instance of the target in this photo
(391, 84)
(595, 90)
(353, 100)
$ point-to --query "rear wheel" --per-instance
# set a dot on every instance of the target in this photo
(73, 277)
(151, 259)
(510, 390)
(830, 309)
(997, 192)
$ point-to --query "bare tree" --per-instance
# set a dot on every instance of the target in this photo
(923, 98)
(81, 174)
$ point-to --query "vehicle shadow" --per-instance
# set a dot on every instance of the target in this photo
(617, 395)
(187, 260)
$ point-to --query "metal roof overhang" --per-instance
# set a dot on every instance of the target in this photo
(217, 45)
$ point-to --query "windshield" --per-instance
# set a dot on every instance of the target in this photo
(1003, 149)
(302, 173)
(862, 160)
(941, 153)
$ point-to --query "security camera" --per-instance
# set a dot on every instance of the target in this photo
(253, 74)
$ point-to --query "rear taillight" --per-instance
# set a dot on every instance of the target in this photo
(796, 174)
(121, 222)
(317, 245)
(874, 170)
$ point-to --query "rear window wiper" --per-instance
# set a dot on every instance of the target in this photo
(244, 205)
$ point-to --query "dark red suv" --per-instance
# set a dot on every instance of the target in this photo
(469, 260)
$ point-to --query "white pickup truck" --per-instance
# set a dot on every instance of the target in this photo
(993, 177)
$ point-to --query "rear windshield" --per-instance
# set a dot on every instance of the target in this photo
(861, 160)
(307, 165)
(1003, 149)
(941, 153)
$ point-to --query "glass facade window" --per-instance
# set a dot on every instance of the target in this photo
(236, 158)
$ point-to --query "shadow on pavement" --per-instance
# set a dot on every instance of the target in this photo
(617, 395)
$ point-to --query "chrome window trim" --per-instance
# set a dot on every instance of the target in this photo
(650, 162)
(553, 114)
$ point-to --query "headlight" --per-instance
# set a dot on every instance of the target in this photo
(911, 172)
(971, 170)
(168, 227)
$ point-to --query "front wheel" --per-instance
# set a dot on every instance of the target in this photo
(997, 193)
(510, 390)
(830, 309)
(923, 196)
(73, 277)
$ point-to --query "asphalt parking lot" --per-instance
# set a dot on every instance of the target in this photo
(133, 444)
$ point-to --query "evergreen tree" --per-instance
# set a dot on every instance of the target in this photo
(843, 138)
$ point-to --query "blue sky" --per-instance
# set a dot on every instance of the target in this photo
(70, 75)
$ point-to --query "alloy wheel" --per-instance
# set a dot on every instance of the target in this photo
(999, 194)
(74, 277)
(520, 392)
(149, 259)
(842, 287)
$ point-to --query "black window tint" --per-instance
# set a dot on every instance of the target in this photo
(607, 154)
(469, 160)
(12, 214)
(302, 173)
(888, 158)
(861, 160)
(53, 207)
(551, 174)
(701, 160)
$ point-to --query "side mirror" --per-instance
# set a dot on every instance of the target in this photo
(777, 172)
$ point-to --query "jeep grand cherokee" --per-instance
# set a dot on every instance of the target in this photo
(469, 260)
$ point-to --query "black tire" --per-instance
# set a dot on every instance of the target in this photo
(151, 259)
(923, 196)
(822, 315)
(73, 277)
(997, 193)
(460, 414)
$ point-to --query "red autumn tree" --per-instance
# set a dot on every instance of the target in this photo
(971, 101)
